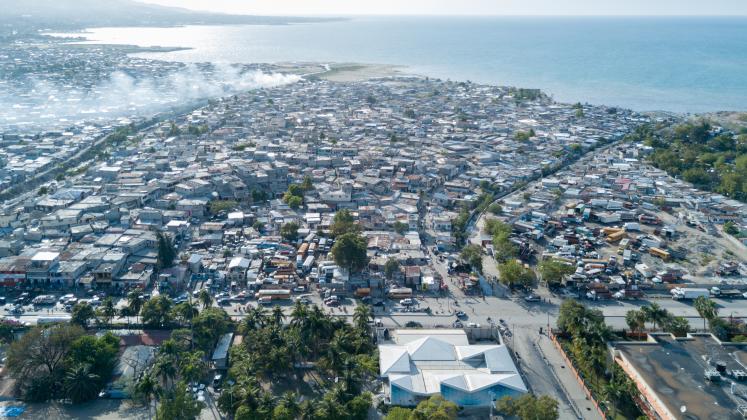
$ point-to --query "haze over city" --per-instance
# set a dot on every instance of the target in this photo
(379, 210)
(468, 7)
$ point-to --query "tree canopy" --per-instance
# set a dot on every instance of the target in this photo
(349, 251)
(343, 223)
(289, 231)
(61, 362)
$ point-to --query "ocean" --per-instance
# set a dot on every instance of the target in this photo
(683, 64)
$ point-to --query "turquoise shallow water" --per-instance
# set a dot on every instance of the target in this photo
(673, 64)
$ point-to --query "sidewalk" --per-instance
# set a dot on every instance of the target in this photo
(567, 380)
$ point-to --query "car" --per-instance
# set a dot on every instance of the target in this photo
(303, 299)
(299, 289)
(473, 325)
(457, 324)
(224, 301)
(217, 379)
(460, 314)
(379, 303)
(407, 302)
(532, 298)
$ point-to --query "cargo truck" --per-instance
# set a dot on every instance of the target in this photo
(679, 293)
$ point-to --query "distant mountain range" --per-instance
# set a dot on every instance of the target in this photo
(72, 14)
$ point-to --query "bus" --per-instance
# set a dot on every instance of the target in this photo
(400, 293)
(274, 294)
(57, 319)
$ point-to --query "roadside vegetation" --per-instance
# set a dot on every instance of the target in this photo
(695, 152)
(584, 336)
(320, 366)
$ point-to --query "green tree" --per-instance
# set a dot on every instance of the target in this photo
(82, 314)
(217, 206)
(178, 405)
(495, 208)
(147, 389)
(391, 268)
(166, 251)
(362, 318)
(157, 312)
(107, 311)
(399, 413)
(514, 274)
(289, 231)
(343, 223)
(435, 407)
(205, 298)
(706, 308)
(655, 314)
(135, 301)
(295, 202)
(7, 332)
(400, 227)
(349, 252)
(677, 325)
(472, 255)
(553, 271)
(529, 407)
(636, 320)
(81, 384)
(209, 326)
(307, 184)
(731, 228)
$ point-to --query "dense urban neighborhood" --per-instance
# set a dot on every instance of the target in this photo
(399, 247)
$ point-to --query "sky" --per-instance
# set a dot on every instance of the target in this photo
(465, 7)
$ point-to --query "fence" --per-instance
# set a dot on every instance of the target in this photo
(575, 373)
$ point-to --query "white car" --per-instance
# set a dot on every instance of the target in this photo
(407, 302)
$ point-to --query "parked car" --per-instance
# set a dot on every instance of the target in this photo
(407, 302)
(460, 314)
(532, 298)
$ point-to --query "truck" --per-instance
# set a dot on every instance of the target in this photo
(680, 293)
(400, 293)
(726, 294)
(658, 252)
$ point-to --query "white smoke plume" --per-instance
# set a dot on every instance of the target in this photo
(42, 105)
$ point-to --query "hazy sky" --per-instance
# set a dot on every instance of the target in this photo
(466, 7)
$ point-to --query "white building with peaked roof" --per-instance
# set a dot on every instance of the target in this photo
(423, 363)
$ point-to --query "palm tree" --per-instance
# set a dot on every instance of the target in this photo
(289, 400)
(148, 389)
(299, 315)
(256, 318)
(277, 315)
(636, 320)
(126, 312)
(266, 404)
(655, 313)
(165, 367)
(135, 302)
(192, 367)
(706, 309)
(81, 384)
(362, 318)
(306, 410)
(107, 311)
(205, 298)
(187, 311)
